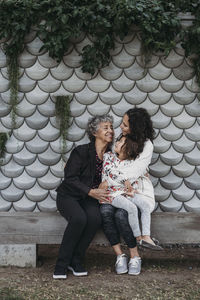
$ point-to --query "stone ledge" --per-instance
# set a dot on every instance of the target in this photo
(48, 228)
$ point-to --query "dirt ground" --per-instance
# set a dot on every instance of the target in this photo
(171, 274)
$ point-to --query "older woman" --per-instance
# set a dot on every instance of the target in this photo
(78, 195)
(137, 123)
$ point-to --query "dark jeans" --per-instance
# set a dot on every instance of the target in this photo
(84, 219)
(115, 224)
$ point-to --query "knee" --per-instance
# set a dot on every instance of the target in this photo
(107, 211)
(94, 221)
(79, 220)
(121, 215)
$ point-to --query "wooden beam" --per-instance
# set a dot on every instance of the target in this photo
(48, 228)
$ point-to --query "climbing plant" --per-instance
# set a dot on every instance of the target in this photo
(3, 139)
(59, 22)
(62, 109)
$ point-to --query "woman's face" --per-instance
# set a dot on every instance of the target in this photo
(119, 146)
(105, 132)
(125, 125)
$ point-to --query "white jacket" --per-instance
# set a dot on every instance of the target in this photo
(115, 172)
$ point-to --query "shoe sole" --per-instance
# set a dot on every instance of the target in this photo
(133, 273)
(59, 276)
(119, 273)
(77, 273)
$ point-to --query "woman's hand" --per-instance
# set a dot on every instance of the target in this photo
(128, 186)
(100, 194)
(103, 185)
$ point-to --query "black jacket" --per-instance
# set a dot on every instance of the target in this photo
(79, 171)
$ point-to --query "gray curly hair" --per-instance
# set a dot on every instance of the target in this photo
(93, 124)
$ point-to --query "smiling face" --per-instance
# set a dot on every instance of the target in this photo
(119, 147)
(125, 125)
(105, 132)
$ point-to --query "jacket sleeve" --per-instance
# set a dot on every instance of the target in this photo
(73, 170)
(138, 167)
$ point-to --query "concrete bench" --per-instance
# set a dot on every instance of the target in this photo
(21, 232)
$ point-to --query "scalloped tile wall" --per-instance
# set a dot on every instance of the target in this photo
(33, 166)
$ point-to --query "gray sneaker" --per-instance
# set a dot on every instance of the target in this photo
(121, 264)
(134, 266)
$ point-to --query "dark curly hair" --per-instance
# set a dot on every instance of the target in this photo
(141, 128)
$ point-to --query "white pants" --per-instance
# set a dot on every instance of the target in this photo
(131, 205)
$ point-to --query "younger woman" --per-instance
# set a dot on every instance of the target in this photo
(117, 171)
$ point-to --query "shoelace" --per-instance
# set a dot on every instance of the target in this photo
(119, 260)
(134, 263)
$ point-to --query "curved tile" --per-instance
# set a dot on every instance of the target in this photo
(24, 133)
(46, 61)
(171, 157)
(160, 144)
(171, 181)
(123, 84)
(5, 159)
(116, 120)
(86, 96)
(134, 46)
(4, 84)
(49, 84)
(6, 97)
(192, 86)
(58, 169)
(82, 120)
(73, 59)
(159, 72)
(135, 96)
(110, 96)
(13, 145)
(173, 60)
(7, 122)
(25, 109)
(147, 84)
(24, 157)
(120, 108)
(47, 109)
(193, 133)
(193, 157)
(57, 146)
(98, 84)
(193, 205)
(4, 108)
(3, 60)
(161, 194)
(98, 108)
(4, 205)
(24, 205)
(81, 44)
(193, 109)
(160, 120)
(48, 181)
(24, 181)
(12, 170)
(183, 193)
(26, 84)
(159, 169)
(135, 72)
(184, 71)
(149, 62)
(127, 39)
(183, 121)
(117, 48)
(34, 46)
(184, 96)
(4, 181)
(193, 182)
(159, 96)
(183, 169)
(84, 76)
(73, 84)
(75, 133)
(111, 72)
(49, 157)
(37, 96)
(170, 205)
(36, 193)
(36, 72)
(171, 133)
(49, 133)
(149, 106)
(37, 121)
(183, 145)
(26, 59)
(47, 205)
(76, 109)
(37, 169)
(53, 194)
(172, 109)
(123, 59)
(12, 193)
(172, 84)
(61, 72)
(37, 145)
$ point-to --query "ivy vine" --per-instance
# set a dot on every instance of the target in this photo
(58, 22)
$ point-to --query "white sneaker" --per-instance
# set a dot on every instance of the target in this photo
(121, 264)
(134, 265)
